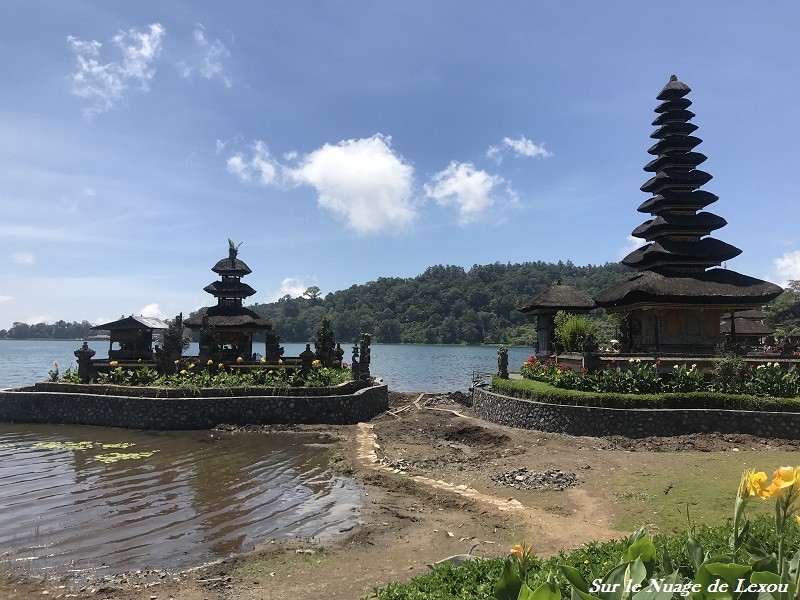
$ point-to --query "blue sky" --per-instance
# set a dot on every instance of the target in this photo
(346, 141)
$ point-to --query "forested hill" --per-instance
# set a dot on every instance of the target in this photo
(444, 305)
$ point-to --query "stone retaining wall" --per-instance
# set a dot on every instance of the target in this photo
(634, 423)
(27, 405)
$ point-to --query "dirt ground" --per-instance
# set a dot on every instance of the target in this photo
(436, 482)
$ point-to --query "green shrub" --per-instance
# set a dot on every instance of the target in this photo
(475, 579)
(574, 333)
(543, 392)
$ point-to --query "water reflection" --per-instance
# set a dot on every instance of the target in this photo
(75, 500)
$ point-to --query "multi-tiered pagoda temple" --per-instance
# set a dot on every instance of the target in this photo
(675, 302)
(227, 329)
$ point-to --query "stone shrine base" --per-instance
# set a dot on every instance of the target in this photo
(78, 405)
(633, 423)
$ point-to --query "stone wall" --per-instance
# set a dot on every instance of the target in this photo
(634, 423)
(26, 405)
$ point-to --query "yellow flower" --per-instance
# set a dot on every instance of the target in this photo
(280, 361)
(184, 372)
(269, 372)
(177, 362)
(113, 363)
(210, 362)
(239, 359)
(797, 519)
(518, 550)
(753, 484)
(220, 366)
(191, 366)
(55, 363)
(263, 360)
(316, 363)
(783, 479)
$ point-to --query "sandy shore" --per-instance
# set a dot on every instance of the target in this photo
(436, 482)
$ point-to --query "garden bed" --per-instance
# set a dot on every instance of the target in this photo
(105, 389)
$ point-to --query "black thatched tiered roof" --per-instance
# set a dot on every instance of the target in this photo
(229, 313)
(677, 230)
(558, 297)
(675, 266)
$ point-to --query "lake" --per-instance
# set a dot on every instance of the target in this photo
(404, 367)
(81, 500)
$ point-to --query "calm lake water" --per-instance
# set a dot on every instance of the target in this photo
(80, 500)
(404, 367)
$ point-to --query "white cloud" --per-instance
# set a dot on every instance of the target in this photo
(521, 147)
(89, 192)
(632, 243)
(788, 267)
(467, 188)
(41, 318)
(4, 298)
(292, 286)
(152, 310)
(22, 258)
(259, 166)
(209, 65)
(220, 146)
(106, 83)
(364, 181)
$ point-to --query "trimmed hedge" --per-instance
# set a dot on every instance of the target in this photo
(542, 392)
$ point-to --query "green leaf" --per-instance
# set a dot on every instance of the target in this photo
(580, 595)
(644, 550)
(766, 563)
(770, 578)
(546, 591)
(650, 593)
(695, 551)
(509, 584)
(730, 573)
(620, 578)
(575, 578)
(666, 564)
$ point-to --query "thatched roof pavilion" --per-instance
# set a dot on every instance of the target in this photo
(675, 301)
(546, 304)
(131, 338)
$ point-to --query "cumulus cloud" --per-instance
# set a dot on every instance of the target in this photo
(632, 243)
(465, 187)
(22, 258)
(106, 83)
(290, 286)
(260, 166)
(521, 148)
(788, 267)
(209, 63)
(152, 310)
(364, 181)
(4, 298)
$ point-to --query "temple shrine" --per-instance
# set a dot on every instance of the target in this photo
(544, 307)
(227, 329)
(675, 303)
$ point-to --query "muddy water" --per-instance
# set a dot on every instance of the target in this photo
(78, 500)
